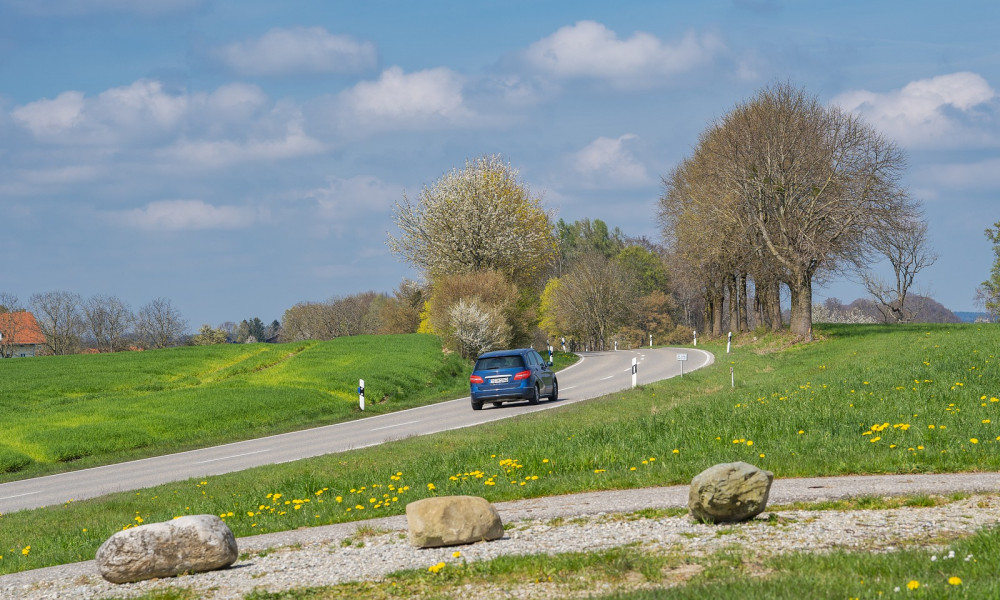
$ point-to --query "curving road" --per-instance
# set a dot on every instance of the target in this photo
(596, 374)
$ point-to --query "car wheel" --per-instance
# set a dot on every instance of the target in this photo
(555, 390)
(535, 395)
(477, 405)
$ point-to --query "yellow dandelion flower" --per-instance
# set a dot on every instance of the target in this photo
(913, 584)
(436, 568)
(456, 554)
(26, 550)
(954, 581)
(974, 440)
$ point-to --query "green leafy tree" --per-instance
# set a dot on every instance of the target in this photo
(988, 294)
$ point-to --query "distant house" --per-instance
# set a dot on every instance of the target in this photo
(19, 334)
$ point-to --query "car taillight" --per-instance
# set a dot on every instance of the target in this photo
(475, 379)
(522, 375)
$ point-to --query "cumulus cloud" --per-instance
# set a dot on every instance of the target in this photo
(406, 100)
(221, 153)
(947, 110)
(606, 162)
(298, 50)
(113, 115)
(180, 215)
(589, 50)
(234, 123)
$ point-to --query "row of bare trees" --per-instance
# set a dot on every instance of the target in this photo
(69, 322)
(783, 191)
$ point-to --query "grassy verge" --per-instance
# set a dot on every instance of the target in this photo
(863, 400)
(71, 412)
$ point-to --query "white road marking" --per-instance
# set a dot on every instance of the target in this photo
(19, 495)
(608, 377)
(396, 425)
(201, 462)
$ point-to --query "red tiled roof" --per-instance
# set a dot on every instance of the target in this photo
(20, 328)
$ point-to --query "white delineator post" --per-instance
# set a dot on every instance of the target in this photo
(361, 393)
(635, 370)
(651, 340)
(695, 336)
(730, 342)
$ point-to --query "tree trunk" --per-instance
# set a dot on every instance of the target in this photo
(801, 322)
(742, 287)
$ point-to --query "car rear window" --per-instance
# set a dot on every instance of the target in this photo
(500, 362)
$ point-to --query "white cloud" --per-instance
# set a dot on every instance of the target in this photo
(114, 115)
(406, 101)
(606, 162)
(298, 50)
(359, 194)
(51, 117)
(232, 124)
(178, 215)
(947, 110)
(592, 51)
(339, 207)
(220, 153)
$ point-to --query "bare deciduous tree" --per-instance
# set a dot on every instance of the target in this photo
(109, 320)
(797, 188)
(159, 324)
(60, 320)
(10, 327)
(594, 300)
(905, 247)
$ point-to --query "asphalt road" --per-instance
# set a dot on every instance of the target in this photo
(597, 374)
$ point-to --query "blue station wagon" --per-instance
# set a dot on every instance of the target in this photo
(504, 375)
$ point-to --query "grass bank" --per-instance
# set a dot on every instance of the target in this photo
(71, 412)
(864, 399)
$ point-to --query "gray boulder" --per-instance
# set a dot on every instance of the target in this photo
(452, 521)
(729, 492)
(191, 544)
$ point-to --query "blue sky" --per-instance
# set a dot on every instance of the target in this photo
(238, 157)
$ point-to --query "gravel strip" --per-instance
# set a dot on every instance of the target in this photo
(590, 521)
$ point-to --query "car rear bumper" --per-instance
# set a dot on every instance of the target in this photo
(489, 395)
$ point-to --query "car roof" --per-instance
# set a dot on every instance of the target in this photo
(516, 351)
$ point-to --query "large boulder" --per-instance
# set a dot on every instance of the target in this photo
(190, 544)
(729, 492)
(452, 521)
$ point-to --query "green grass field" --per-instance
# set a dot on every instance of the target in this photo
(862, 399)
(71, 412)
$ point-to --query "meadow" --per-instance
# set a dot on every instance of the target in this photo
(861, 399)
(71, 412)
